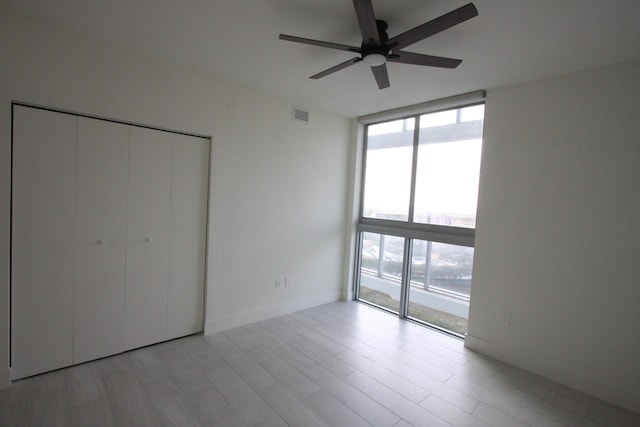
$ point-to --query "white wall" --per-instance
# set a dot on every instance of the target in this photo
(278, 187)
(557, 234)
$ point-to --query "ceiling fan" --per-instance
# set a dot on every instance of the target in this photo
(377, 48)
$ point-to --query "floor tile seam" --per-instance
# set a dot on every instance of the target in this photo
(67, 386)
(212, 382)
(192, 366)
(499, 379)
(336, 394)
(479, 378)
(299, 401)
(202, 418)
(235, 341)
(482, 398)
(233, 404)
(292, 349)
(194, 362)
(437, 392)
(201, 415)
(437, 352)
(345, 336)
(224, 397)
(333, 327)
(257, 391)
(350, 344)
(402, 350)
(168, 366)
(112, 406)
(154, 379)
(402, 398)
(240, 374)
(24, 408)
(309, 319)
(71, 407)
(309, 337)
(592, 417)
(322, 390)
(275, 411)
(189, 405)
(455, 379)
(521, 400)
(388, 389)
(275, 332)
(501, 413)
(66, 399)
(157, 411)
(289, 367)
(196, 356)
(551, 415)
(423, 372)
(390, 372)
(475, 406)
(432, 340)
(46, 394)
(326, 337)
(317, 358)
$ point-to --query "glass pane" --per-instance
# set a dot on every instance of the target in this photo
(475, 112)
(440, 284)
(381, 270)
(388, 170)
(448, 169)
(438, 119)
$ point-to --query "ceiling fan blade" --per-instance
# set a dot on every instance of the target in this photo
(336, 68)
(367, 22)
(432, 27)
(381, 75)
(320, 43)
(420, 59)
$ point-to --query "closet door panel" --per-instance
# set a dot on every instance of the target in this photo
(188, 235)
(43, 192)
(101, 225)
(148, 234)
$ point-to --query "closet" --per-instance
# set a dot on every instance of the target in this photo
(108, 238)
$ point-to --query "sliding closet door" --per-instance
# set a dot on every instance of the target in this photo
(44, 158)
(101, 227)
(188, 235)
(148, 236)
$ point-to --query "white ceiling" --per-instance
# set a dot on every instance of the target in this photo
(511, 41)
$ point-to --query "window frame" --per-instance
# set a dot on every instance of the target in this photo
(409, 230)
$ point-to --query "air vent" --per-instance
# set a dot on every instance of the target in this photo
(300, 115)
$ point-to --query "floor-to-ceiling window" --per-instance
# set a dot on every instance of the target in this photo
(418, 213)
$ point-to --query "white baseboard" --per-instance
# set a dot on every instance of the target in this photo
(221, 324)
(5, 378)
(610, 393)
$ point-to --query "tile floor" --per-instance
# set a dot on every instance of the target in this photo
(340, 364)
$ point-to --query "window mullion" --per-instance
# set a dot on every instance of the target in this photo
(363, 171)
(358, 266)
(381, 255)
(406, 277)
(414, 167)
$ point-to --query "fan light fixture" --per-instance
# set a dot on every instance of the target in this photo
(377, 48)
(374, 59)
